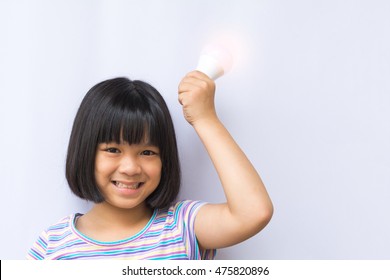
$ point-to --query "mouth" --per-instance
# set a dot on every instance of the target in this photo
(128, 186)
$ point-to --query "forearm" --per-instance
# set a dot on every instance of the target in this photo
(245, 193)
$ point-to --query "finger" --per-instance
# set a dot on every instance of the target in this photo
(191, 83)
(197, 77)
(201, 79)
(197, 74)
(180, 98)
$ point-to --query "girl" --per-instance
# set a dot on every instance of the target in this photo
(122, 155)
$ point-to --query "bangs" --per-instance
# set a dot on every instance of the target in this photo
(129, 119)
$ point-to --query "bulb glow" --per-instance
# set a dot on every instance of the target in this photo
(214, 61)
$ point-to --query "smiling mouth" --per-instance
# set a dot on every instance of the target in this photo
(133, 186)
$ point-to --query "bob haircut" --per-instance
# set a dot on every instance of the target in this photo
(119, 110)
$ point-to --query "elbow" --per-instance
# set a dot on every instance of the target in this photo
(251, 223)
(263, 217)
(268, 213)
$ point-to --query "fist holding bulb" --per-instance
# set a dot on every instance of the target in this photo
(197, 90)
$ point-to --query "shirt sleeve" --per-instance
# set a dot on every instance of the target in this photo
(38, 250)
(186, 211)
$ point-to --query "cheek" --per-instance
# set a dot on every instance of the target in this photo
(102, 169)
(154, 170)
(98, 163)
(99, 175)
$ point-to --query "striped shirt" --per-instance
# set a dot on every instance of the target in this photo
(169, 234)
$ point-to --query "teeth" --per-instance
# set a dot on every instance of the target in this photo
(124, 186)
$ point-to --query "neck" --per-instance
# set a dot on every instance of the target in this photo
(108, 215)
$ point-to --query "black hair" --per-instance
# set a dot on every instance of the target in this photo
(118, 110)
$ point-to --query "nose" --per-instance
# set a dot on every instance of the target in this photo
(129, 166)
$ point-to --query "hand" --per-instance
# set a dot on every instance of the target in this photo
(196, 95)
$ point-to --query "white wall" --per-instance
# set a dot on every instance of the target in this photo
(308, 100)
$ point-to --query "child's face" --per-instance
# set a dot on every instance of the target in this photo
(127, 174)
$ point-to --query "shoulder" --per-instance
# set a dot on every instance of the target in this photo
(62, 224)
(185, 208)
(65, 223)
(179, 212)
(52, 234)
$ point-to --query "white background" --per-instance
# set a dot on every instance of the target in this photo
(307, 99)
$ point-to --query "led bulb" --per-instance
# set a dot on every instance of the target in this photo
(214, 61)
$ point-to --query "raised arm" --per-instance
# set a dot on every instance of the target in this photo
(248, 208)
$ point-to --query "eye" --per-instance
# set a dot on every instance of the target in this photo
(148, 153)
(112, 150)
